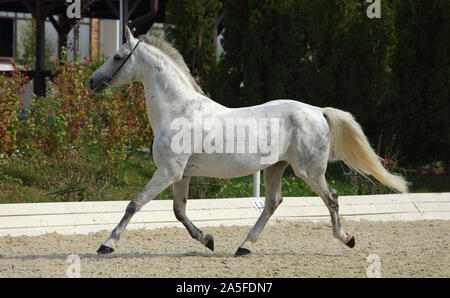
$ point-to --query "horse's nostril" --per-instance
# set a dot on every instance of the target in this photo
(91, 82)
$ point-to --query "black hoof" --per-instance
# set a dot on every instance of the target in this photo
(351, 242)
(242, 252)
(209, 242)
(105, 250)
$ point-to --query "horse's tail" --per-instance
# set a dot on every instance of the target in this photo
(348, 142)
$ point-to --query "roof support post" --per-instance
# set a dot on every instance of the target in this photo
(39, 79)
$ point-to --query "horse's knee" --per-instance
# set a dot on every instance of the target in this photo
(132, 207)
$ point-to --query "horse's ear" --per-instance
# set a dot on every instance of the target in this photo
(128, 34)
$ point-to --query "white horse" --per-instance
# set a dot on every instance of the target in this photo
(306, 137)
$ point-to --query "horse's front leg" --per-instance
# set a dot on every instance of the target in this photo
(180, 195)
(163, 178)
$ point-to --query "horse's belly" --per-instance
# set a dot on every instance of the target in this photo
(223, 165)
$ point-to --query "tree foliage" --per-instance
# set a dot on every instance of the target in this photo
(391, 72)
(321, 52)
(419, 94)
(191, 31)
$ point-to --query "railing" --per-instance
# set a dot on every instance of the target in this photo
(85, 217)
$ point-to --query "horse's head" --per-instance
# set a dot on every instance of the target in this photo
(119, 69)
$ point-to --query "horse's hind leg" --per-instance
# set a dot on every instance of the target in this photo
(180, 194)
(272, 183)
(330, 198)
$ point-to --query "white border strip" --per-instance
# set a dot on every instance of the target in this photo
(85, 217)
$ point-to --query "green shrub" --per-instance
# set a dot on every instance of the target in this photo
(12, 88)
(69, 117)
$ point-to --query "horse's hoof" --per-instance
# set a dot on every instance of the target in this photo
(105, 250)
(242, 252)
(209, 242)
(351, 242)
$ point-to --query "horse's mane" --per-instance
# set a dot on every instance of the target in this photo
(174, 55)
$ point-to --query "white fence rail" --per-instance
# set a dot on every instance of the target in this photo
(85, 217)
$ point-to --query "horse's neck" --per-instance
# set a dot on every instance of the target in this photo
(161, 105)
(166, 94)
(169, 95)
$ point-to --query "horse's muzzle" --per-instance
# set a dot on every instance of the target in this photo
(97, 85)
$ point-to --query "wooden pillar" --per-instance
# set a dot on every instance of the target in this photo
(39, 79)
(95, 37)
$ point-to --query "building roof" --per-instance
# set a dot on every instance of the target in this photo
(103, 9)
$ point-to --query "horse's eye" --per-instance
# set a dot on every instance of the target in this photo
(117, 57)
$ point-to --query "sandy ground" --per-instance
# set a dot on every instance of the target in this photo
(285, 249)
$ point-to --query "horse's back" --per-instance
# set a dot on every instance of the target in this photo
(283, 105)
(303, 118)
